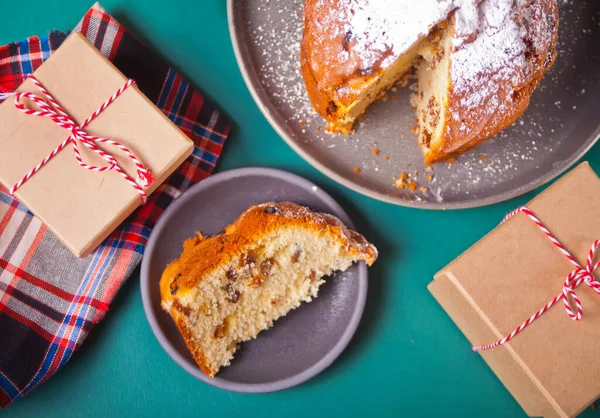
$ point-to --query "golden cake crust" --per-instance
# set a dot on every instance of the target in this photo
(199, 358)
(202, 255)
(332, 82)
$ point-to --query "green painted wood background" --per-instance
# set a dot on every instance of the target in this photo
(407, 359)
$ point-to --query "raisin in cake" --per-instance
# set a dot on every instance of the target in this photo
(225, 289)
(477, 62)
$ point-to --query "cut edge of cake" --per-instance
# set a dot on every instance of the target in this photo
(431, 99)
(342, 118)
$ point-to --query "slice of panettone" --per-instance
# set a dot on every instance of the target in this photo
(225, 289)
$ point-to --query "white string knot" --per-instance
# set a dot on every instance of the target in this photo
(577, 277)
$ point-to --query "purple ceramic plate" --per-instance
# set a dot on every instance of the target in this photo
(313, 335)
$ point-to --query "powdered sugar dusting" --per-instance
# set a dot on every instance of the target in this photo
(278, 41)
(495, 55)
(467, 20)
(379, 29)
(498, 50)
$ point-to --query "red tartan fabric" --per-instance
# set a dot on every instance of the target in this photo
(49, 299)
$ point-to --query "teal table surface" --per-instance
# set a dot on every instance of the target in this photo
(407, 358)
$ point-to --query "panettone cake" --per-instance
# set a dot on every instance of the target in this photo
(477, 62)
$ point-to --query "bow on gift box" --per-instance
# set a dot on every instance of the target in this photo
(576, 277)
(52, 109)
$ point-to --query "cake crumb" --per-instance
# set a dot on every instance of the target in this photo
(386, 157)
(429, 177)
(376, 152)
(424, 189)
(400, 182)
(429, 168)
(404, 80)
(356, 170)
(412, 185)
(483, 157)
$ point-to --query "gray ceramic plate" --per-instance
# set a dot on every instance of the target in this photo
(300, 345)
(561, 124)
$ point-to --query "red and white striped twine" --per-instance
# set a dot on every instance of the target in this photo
(52, 109)
(576, 277)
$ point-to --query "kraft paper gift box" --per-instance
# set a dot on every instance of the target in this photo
(82, 207)
(552, 367)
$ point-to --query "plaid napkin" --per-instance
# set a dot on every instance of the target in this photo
(50, 300)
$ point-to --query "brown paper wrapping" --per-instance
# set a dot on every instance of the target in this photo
(552, 368)
(79, 206)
